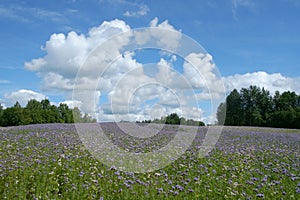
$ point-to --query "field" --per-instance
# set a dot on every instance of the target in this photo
(50, 162)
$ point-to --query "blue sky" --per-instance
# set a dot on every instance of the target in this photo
(251, 41)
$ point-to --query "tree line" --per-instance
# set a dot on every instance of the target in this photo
(40, 112)
(254, 106)
(174, 119)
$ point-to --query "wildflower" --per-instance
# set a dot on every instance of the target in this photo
(260, 195)
(81, 173)
(179, 187)
(159, 190)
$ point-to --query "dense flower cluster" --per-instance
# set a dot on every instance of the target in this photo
(49, 162)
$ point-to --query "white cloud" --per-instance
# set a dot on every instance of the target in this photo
(22, 96)
(153, 22)
(201, 72)
(112, 73)
(54, 81)
(66, 53)
(167, 40)
(164, 35)
(72, 104)
(143, 10)
(271, 82)
(167, 76)
(35, 64)
(115, 74)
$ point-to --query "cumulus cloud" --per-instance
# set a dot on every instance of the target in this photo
(271, 82)
(66, 53)
(113, 75)
(22, 96)
(168, 77)
(201, 71)
(163, 34)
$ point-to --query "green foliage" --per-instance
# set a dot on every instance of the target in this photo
(65, 113)
(234, 107)
(12, 116)
(256, 107)
(174, 119)
(36, 112)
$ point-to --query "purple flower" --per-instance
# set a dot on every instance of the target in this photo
(159, 190)
(179, 187)
(81, 173)
(260, 195)
(250, 182)
(190, 190)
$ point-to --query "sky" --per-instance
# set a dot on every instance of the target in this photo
(45, 46)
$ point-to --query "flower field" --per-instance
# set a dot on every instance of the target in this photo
(50, 162)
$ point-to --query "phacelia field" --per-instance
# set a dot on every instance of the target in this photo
(50, 162)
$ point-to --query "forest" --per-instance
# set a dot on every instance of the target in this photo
(41, 112)
(254, 106)
(174, 119)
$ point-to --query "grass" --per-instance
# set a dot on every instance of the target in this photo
(50, 162)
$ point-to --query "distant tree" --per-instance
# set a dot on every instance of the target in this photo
(288, 100)
(66, 114)
(51, 114)
(17, 105)
(265, 106)
(36, 112)
(46, 104)
(234, 108)
(182, 120)
(256, 107)
(77, 115)
(200, 123)
(12, 116)
(88, 119)
(34, 109)
(173, 119)
(1, 111)
(284, 119)
(250, 101)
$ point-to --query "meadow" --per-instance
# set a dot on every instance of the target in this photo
(50, 162)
